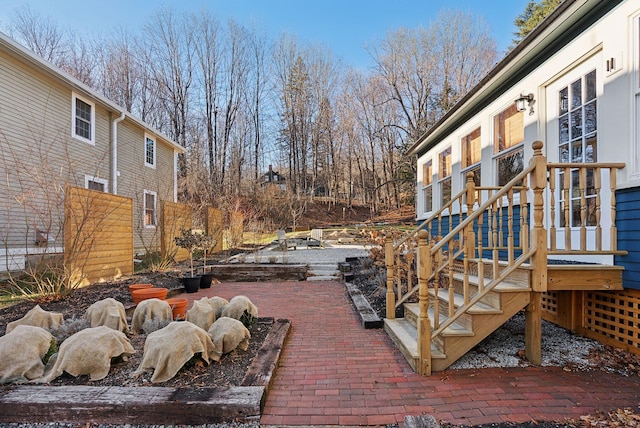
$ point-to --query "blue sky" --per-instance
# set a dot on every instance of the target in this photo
(345, 26)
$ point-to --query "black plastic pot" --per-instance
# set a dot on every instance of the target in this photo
(191, 284)
(205, 280)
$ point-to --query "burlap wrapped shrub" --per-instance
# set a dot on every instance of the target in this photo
(150, 309)
(218, 304)
(228, 334)
(39, 318)
(109, 313)
(88, 352)
(21, 353)
(242, 309)
(201, 314)
(168, 349)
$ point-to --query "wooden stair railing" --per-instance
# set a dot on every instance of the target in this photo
(489, 232)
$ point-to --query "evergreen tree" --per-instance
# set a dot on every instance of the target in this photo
(533, 14)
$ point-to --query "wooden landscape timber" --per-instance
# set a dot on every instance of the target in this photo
(150, 405)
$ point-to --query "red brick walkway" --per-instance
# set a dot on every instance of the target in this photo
(334, 372)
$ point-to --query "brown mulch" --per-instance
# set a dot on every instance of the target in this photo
(196, 373)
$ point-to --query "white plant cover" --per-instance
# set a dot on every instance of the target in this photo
(39, 318)
(108, 312)
(168, 349)
(228, 334)
(218, 303)
(88, 352)
(237, 307)
(21, 353)
(201, 314)
(150, 309)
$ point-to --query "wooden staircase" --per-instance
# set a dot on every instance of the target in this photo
(477, 261)
(493, 310)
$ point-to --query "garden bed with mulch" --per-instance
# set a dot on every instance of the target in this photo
(232, 389)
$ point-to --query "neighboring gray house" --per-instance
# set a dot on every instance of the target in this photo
(54, 132)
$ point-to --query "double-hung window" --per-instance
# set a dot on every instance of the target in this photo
(149, 151)
(471, 156)
(84, 119)
(427, 186)
(150, 199)
(444, 175)
(508, 144)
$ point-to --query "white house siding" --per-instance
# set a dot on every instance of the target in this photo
(608, 37)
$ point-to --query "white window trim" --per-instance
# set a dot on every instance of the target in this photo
(635, 93)
(104, 182)
(155, 150)
(448, 177)
(424, 187)
(465, 170)
(155, 209)
(92, 140)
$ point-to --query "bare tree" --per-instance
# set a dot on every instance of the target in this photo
(171, 49)
(40, 34)
(255, 92)
(208, 51)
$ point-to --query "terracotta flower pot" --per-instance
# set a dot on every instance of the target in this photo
(178, 308)
(134, 287)
(149, 293)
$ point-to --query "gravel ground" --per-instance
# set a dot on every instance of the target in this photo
(505, 346)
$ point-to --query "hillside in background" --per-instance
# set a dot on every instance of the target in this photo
(323, 214)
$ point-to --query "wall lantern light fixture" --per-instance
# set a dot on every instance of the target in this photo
(524, 101)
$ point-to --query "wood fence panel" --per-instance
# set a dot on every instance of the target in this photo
(215, 227)
(236, 229)
(174, 217)
(98, 235)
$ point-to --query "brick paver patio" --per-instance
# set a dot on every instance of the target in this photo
(334, 372)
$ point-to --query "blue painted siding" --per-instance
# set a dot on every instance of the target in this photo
(444, 228)
(628, 223)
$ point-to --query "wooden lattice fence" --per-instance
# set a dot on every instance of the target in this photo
(609, 317)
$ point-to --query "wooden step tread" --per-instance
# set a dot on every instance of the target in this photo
(458, 301)
(503, 287)
(407, 334)
(455, 329)
(504, 263)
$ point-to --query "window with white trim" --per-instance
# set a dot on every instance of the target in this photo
(444, 175)
(471, 156)
(427, 186)
(508, 144)
(149, 151)
(84, 119)
(95, 183)
(578, 142)
(150, 199)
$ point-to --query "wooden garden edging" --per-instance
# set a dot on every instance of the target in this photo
(150, 405)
